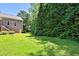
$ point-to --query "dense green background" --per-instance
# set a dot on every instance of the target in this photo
(57, 20)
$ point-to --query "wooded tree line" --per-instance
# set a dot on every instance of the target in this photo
(56, 20)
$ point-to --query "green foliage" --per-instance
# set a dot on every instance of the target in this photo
(58, 20)
(33, 16)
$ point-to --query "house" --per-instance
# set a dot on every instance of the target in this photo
(10, 23)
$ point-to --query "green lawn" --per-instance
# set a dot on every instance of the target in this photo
(27, 44)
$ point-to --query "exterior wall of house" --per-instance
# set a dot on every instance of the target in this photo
(13, 25)
(0, 23)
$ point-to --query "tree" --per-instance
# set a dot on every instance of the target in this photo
(25, 16)
(57, 20)
(33, 16)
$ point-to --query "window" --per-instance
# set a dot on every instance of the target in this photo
(8, 23)
(15, 23)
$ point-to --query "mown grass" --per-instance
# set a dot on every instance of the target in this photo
(27, 44)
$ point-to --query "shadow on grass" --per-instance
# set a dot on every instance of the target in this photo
(56, 47)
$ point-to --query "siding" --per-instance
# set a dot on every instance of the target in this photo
(17, 28)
